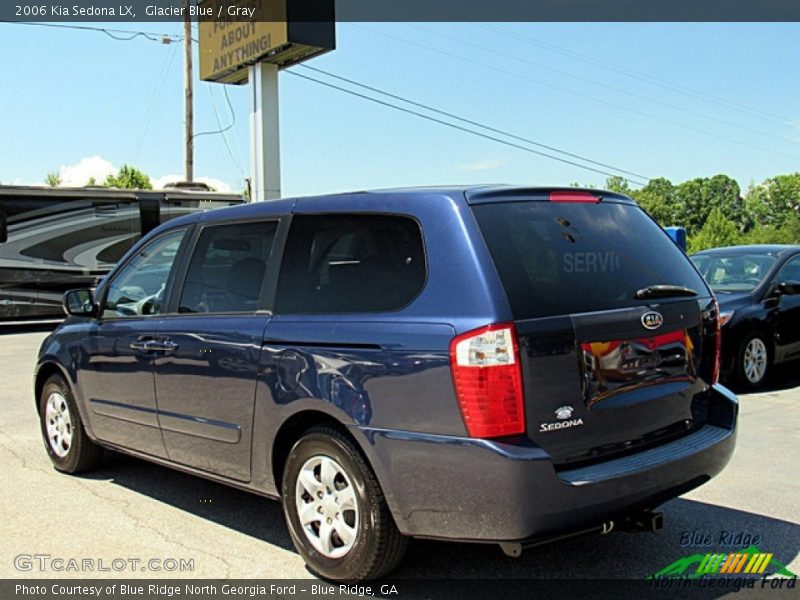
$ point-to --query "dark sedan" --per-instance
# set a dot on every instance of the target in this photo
(758, 288)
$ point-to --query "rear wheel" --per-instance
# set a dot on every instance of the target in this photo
(335, 509)
(68, 446)
(753, 360)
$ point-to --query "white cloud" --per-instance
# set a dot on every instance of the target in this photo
(79, 174)
(483, 165)
(160, 182)
(217, 184)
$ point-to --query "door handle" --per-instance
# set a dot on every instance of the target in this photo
(150, 345)
(142, 345)
(163, 346)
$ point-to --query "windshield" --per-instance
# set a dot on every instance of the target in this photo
(734, 272)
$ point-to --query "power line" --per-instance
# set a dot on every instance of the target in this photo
(116, 34)
(463, 129)
(221, 129)
(224, 130)
(578, 94)
(601, 84)
(161, 82)
(642, 76)
(474, 123)
(119, 35)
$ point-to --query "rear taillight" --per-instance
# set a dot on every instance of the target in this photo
(717, 342)
(486, 374)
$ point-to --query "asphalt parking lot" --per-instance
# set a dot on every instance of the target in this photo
(132, 509)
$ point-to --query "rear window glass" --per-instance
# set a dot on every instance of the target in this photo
(563, 258)
(351, 263)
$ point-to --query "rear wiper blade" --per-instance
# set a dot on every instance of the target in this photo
(661, 291)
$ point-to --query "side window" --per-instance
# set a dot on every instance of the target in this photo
(138, 289)
(351, 263)
(228, 268)
(790, 271)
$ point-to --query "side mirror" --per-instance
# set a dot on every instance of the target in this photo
(3, 228)
(788, 288)
(80, 303)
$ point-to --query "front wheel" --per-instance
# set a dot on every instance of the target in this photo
(68, 446)
(753, 360)
(335, 509)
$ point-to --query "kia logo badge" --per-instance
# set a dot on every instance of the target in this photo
(652, 320)
(564, 412)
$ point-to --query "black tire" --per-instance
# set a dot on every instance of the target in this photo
(379, 546)
(81, 454)
(743, 376)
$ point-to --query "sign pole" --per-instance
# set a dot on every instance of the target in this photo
(265, 162)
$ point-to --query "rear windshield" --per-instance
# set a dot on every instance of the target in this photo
(563, 258)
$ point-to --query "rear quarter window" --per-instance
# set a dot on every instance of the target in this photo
(563, 258)
(351, 264)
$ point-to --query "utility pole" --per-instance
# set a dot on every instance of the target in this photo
(188, 92)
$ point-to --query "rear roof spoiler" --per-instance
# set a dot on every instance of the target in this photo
(485, 195)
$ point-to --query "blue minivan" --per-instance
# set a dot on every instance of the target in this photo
(488, 364)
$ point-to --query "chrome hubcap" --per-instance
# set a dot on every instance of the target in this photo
(59, 424)
(326, 506)
(755, 360)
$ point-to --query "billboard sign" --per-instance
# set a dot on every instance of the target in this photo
(274, 31)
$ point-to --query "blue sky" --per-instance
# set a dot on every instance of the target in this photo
(727, 100)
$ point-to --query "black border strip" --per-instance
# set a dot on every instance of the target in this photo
(55, 11)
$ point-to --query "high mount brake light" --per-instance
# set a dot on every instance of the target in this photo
(577, 196)
(488, 382)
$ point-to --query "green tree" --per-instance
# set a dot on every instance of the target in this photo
(767, 234)
(792, 229)
(129, 178)
(658, 199)
(619, 185)
(92, 182)
(773, 202)
(788, 233)
(52, 179)
(697, 198)
(717, 231)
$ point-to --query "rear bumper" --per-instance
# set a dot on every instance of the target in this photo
(467, 489)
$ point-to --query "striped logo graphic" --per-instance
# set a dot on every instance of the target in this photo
(747, 561)
(737, 562)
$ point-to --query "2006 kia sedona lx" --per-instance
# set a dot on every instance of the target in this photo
(490, 364)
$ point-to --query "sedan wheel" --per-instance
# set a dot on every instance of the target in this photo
(753, 360)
